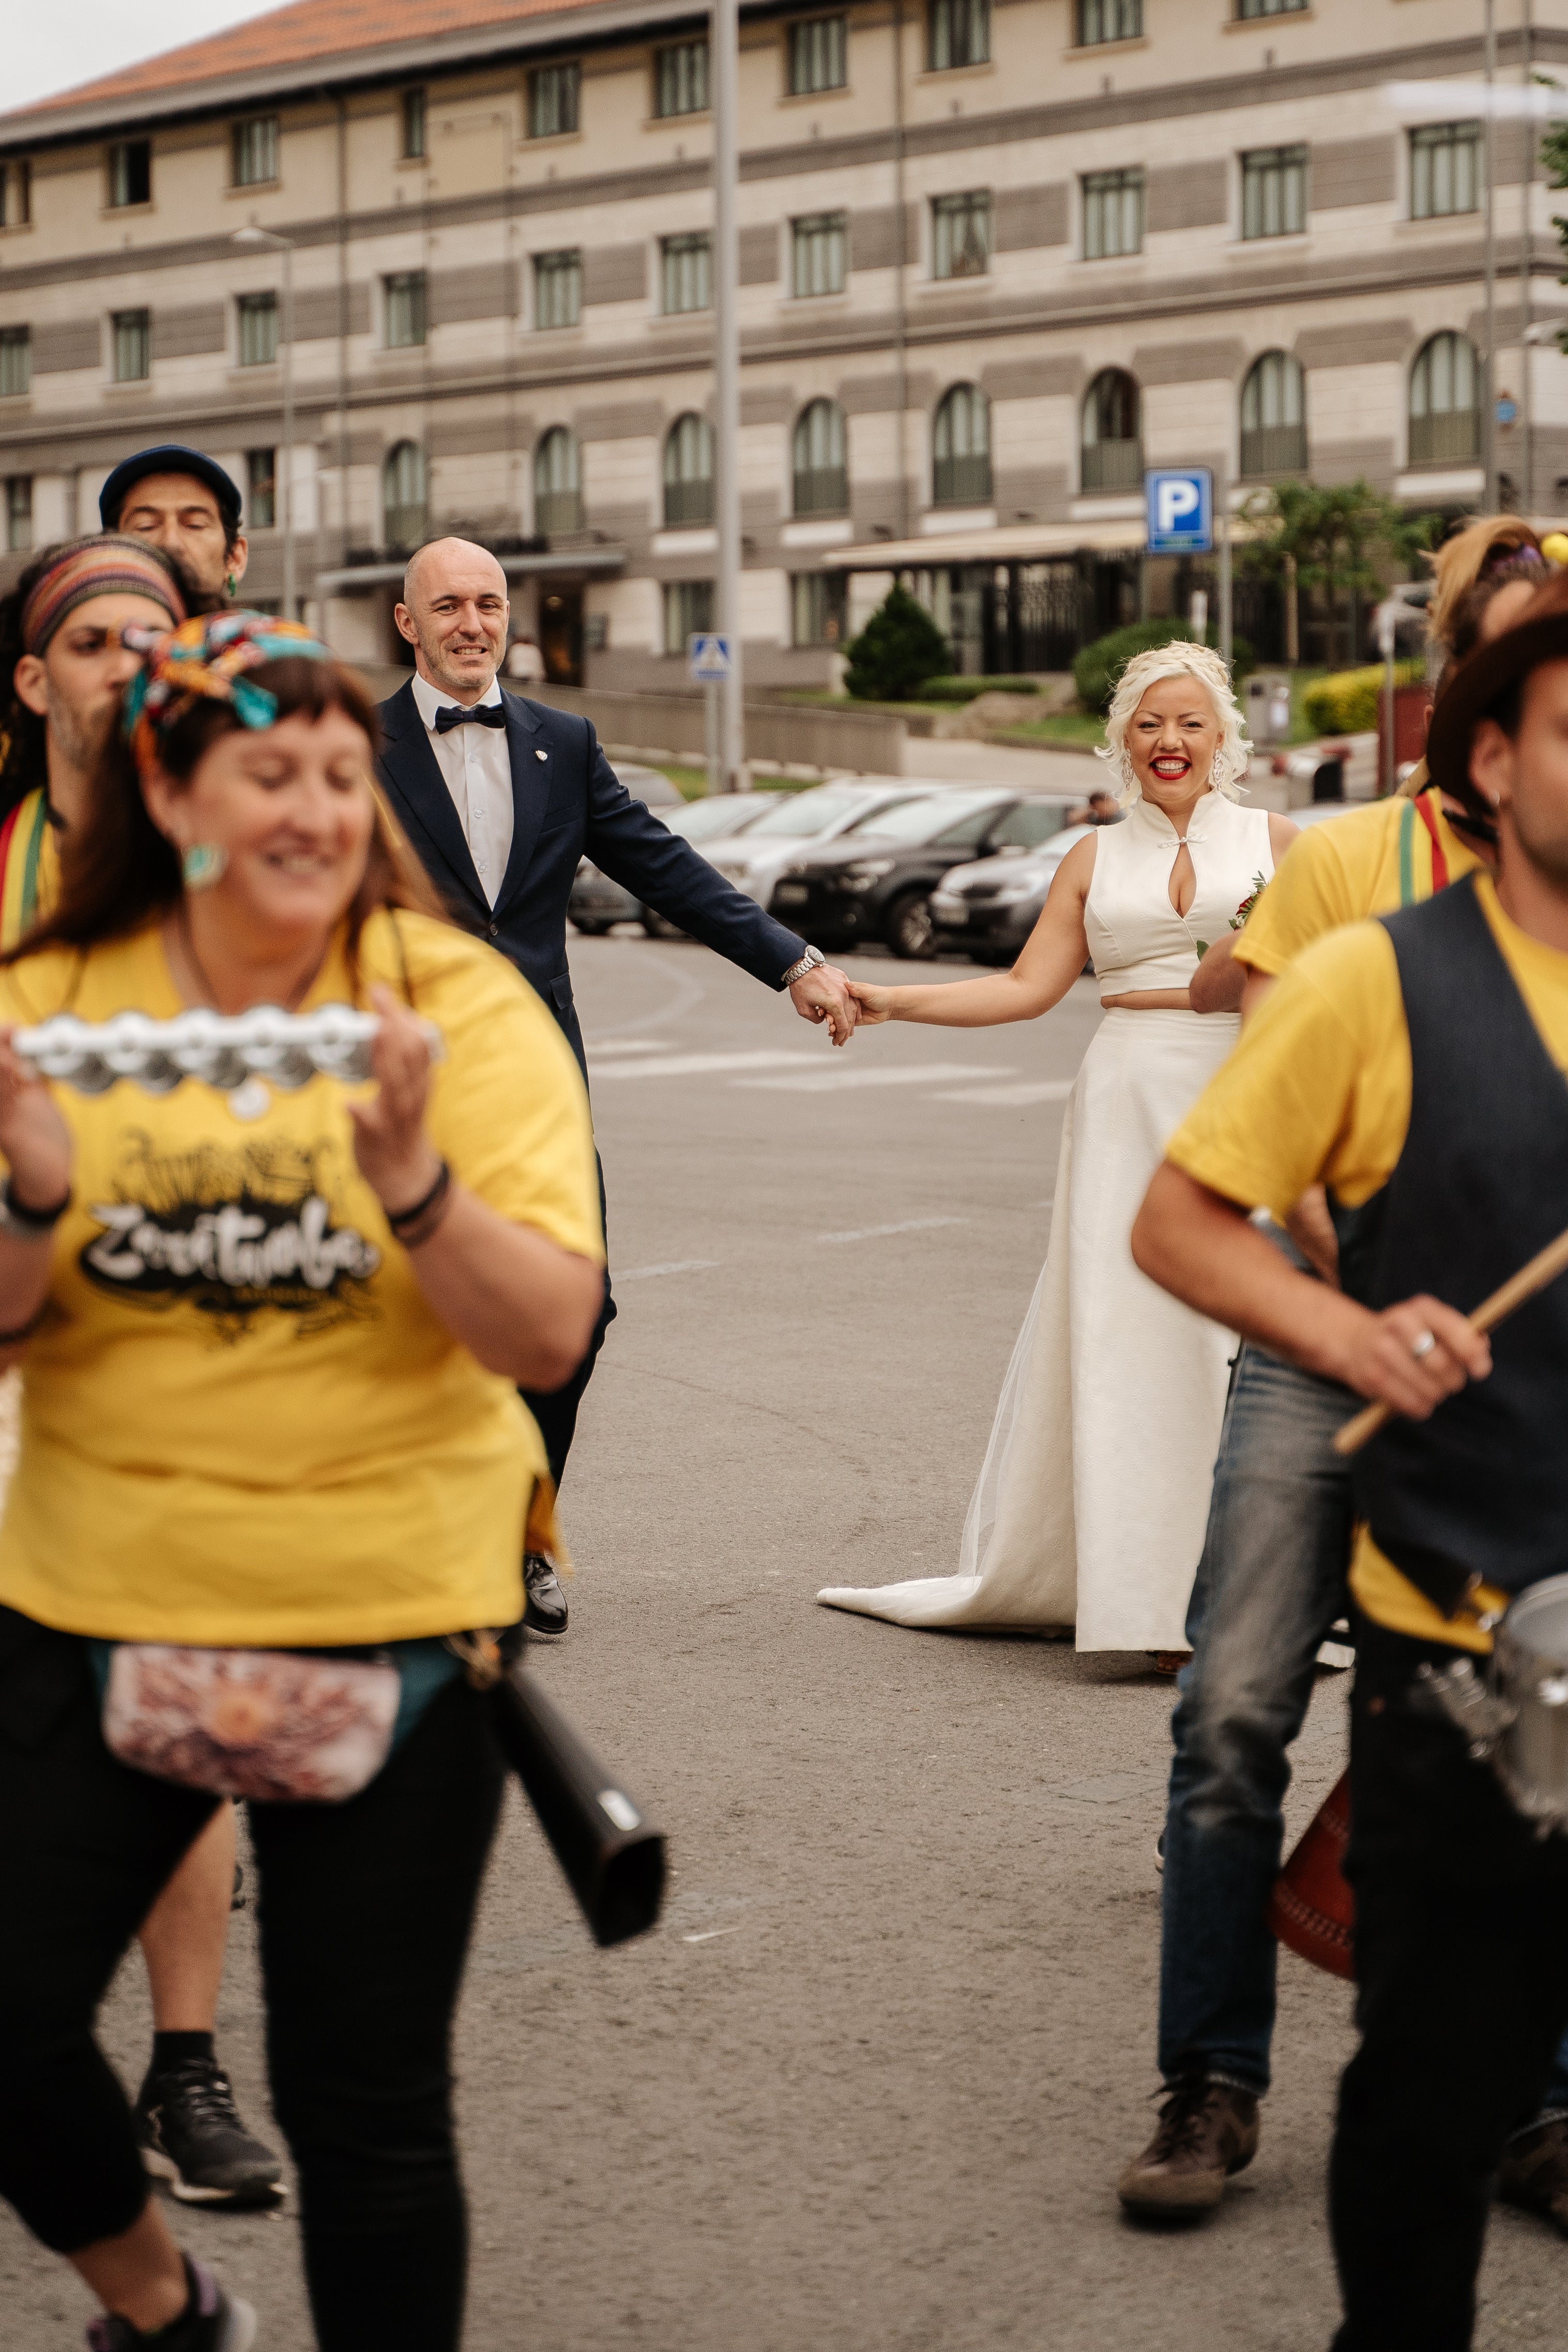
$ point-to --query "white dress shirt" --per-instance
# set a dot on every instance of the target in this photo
(476, 766)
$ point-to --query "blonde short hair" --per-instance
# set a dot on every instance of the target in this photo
(1180, 658)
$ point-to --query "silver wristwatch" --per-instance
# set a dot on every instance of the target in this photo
(808, 962)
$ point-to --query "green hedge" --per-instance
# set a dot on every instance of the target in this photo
(1345, 702)
(968, 689)
(1098, 666)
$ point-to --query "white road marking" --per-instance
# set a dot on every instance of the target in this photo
(1028, 1090)
(708, 1934)
(675, 1265)
(910, 1225)
(842, 1081)
(611, 1045)
(702, 1066)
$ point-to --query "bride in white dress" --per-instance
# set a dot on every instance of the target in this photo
(1089, 1509)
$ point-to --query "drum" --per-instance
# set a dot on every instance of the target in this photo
(1517, 1716)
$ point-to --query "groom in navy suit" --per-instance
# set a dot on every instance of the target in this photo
(500, 797)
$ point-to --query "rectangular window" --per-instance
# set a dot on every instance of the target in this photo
(819, 247)
(553, 99)
(961, 234)
(818, 55)
(132, 334)
(255, 151)
(15, 194)
(257, 329)
(130, 173)
(680, 78)
(821, 607)
(16, 362)
(1445, 168)
(1274, 192)
(261, 488)
(18, 513)
(959, 34)
(557, 290)
(685, 277)
(404, 296)
(689, 611)
(1112, 214)
(1247, 8)
(412, 125)
(1109, 20)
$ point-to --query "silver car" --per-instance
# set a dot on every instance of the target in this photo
(597, 902)
(776, 841)
(987, 912)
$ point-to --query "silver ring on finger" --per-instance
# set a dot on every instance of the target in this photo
(1422, 1345)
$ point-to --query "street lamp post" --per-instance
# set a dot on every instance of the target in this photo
(284, 491)
(724, 53)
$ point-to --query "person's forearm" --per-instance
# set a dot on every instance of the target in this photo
(970, 1003)
(23, 1283)
(1217, 983)
(1208, 1254)
(522, 1305)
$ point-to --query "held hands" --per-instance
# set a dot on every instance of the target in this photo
(33, 1139)
(827, 994)
(395, 1156)
(873, 1004)
(1414, 1355)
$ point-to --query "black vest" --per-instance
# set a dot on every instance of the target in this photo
(1481, 1184)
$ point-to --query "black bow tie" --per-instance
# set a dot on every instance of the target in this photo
(482, 714)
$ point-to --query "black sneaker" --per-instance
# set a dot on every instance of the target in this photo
(190, 2135)
(544, 1609)
(212, 2322)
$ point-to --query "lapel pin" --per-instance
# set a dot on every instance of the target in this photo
(541, 755)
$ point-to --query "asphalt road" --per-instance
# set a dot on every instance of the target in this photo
(869, 2084)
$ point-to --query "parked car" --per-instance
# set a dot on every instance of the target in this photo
(596, 902)
(987, 912)
(818, 815)
(876, 881)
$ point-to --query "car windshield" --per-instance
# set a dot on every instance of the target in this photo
(1033, 821)
(928, 819)
(801, 816)
(707, 820)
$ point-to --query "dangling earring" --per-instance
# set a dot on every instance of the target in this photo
(230, 585)
(202, 864)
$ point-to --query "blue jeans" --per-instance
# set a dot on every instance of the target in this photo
(1270, 1585)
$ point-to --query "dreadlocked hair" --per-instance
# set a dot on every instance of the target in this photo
(117, 872)
(23, 760)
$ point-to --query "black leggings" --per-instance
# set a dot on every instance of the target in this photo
(365, 1910)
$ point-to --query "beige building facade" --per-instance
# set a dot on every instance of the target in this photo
(997, 258)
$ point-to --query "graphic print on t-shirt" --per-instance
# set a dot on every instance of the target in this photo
(233, 1232)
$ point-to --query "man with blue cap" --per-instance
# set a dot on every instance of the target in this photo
(183, 501)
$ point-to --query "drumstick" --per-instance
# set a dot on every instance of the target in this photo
(1544, 1268)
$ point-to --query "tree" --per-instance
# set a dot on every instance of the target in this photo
(898, 649)
(1328, 538)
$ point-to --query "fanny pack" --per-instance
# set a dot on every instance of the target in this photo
(283, 1727)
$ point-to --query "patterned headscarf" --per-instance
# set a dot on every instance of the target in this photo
(207, 656)
(109, 566)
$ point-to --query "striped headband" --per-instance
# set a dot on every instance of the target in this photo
(112, 565)
(207, 656)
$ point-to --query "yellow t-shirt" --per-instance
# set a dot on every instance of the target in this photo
(241, 1423)
(1318, 1091)
(1367, 862)
(30, 874)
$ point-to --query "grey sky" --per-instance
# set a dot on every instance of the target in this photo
(50, 49)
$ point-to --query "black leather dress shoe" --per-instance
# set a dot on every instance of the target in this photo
(545, 1607)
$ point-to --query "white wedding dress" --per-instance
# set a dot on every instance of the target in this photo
(1090, 1505)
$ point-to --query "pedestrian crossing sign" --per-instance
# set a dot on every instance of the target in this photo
(707, 659)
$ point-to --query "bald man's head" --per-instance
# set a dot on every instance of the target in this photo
(453, 614)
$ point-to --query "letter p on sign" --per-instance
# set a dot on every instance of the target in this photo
(1174, 497)
(1179, 507)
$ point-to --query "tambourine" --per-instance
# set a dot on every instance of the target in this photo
(226, 1050)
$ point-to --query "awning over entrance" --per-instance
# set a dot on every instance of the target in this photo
(354, 578)
(1006, 544)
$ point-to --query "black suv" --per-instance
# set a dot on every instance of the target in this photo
(874, 882)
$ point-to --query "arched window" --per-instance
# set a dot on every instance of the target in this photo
(961, 448)
(821, 479)
(405, 501)
(688, 471)
(557, 491)
(1113, 433)
(1445, 401)
(1274, 417)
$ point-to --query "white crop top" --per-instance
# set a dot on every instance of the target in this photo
(1135, 936)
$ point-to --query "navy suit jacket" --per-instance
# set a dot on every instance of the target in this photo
(567, 804)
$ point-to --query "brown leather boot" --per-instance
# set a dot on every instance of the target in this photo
(1208, 2131)
(1534, 2172)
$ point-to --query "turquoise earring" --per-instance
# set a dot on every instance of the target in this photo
(203, 865)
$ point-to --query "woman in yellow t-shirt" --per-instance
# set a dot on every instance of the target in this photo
(270, 1343)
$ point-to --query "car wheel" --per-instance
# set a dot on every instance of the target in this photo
(909, 931)
(659, 926)
(590, 928)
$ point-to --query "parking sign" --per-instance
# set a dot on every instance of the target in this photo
(1180, 511)
(707, 659)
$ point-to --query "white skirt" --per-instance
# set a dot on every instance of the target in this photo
(1090, 1506)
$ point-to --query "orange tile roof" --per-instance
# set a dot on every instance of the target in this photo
(293, 35)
